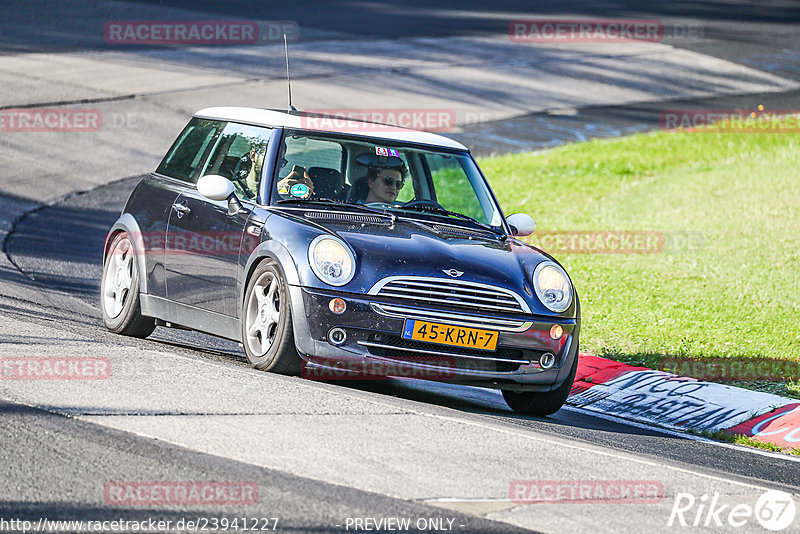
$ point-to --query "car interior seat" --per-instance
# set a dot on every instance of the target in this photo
(358, 191)
(328, 183)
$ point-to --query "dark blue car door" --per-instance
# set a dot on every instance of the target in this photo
(204, 236)
(152, 201)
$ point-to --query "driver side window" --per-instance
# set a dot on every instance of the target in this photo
(239, 157)
(190, 150)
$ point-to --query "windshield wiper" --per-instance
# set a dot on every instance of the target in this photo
(443, 211)
(361, 207)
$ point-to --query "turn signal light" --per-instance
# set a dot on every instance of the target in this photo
(337, 306)
(556, 331)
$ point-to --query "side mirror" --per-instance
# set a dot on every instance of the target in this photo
(215, 187)
(521, 224)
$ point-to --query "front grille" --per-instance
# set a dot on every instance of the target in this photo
(504, 360)
(471, 296)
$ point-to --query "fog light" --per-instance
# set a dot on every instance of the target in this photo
(337, 306)
(337, 336)
(547, 360)
(556, 331)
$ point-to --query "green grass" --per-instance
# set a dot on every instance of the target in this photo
(741, 439)
(734, 198)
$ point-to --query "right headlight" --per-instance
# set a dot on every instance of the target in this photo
(331, 260)
(552, 286)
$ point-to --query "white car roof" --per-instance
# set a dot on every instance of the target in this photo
(325, 123)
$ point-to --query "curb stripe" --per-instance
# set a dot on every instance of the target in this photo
(671, 401)
(779, 427)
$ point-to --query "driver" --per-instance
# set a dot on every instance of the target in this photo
(386, 176)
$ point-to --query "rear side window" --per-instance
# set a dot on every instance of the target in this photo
(190, 150)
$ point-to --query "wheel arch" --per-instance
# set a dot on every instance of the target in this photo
(278, 253)
(127, 223)
(269, 250)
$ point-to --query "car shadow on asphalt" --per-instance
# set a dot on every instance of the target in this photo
(489, 402)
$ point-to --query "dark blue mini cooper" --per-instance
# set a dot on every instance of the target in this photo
(337, 248)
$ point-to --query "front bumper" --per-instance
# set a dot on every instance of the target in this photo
(374, 345)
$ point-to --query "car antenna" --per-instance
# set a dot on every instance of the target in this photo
(288, 78)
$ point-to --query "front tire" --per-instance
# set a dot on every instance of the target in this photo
(267, 332)
(119, 291)
(542, 402)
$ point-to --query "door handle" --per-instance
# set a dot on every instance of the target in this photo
(181, 210)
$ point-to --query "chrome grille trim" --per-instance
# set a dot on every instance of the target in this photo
(502, 325)
(449, 292)
(428, 289)
(427, 292)
(438, 353)
(439, 300)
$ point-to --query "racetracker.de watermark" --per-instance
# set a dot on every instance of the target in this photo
(50, 120)
(177, 493)
(68, 120)
(54, 368)
(586, 491)
(598, 241)
(380, 119)
(599, 31)
(732, 369)
(585, 30)
(198, 32)
(616, 241)
(758, 120)
(143, 524)
(425, 368)
(182, 243)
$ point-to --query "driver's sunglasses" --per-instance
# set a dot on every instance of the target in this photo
(398, 184)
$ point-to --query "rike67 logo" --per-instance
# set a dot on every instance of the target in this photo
(774, 510)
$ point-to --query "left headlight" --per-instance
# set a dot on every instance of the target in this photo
(331, 260)
(552, 286)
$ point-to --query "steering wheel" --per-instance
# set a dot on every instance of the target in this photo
(422, 203)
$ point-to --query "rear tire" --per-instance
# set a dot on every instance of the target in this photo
(542, 402)
(119, 291)
(267, 333)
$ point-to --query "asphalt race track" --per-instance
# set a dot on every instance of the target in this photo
(73, 265)
(183, 406)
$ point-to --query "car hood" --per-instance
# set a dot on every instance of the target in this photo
(432, 250)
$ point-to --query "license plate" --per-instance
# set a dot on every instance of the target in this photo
(445, 334)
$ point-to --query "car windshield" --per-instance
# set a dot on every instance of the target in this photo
(398, 178)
